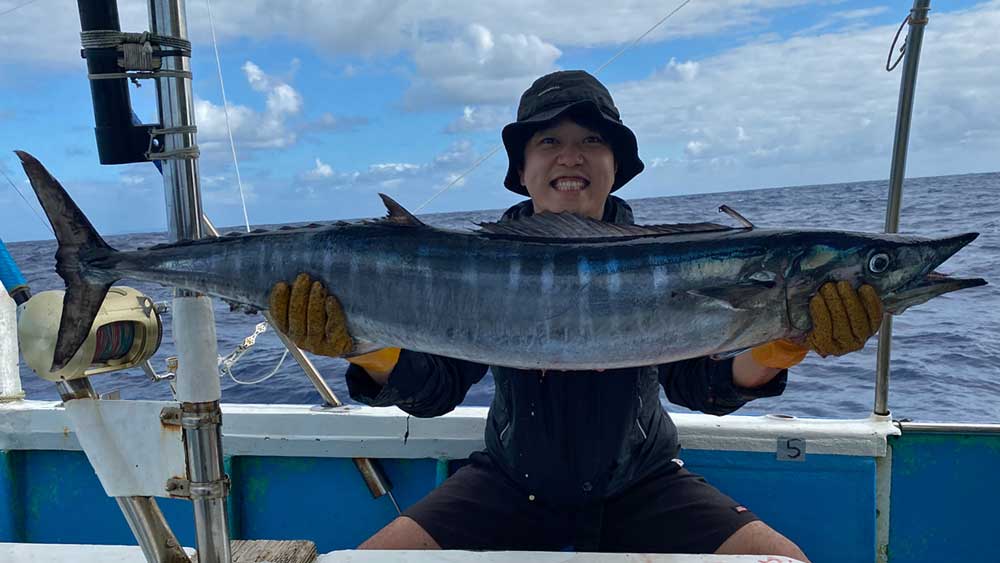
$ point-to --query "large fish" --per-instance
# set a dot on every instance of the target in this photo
(553, 291)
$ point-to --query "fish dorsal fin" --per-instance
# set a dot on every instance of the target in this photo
(571, 226)
(735, 215)
(398, 215)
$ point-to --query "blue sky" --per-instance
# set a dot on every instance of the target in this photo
(333, 102)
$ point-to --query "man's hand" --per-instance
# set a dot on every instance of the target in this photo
(312, 318)
(315, 321)
(843, 319)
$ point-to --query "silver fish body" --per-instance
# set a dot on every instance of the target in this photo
(559, 300)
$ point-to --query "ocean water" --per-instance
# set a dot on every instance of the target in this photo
(945, 355)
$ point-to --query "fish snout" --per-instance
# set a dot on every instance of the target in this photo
(932, 283)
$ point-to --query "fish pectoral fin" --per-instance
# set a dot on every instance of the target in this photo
(735, 297)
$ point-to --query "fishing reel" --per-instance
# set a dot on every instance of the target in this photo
(126, 332)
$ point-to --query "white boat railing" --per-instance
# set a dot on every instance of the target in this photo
(10, 379)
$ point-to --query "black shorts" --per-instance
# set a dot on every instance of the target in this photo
(673, 511)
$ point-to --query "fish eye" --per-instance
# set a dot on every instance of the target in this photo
(879, 262)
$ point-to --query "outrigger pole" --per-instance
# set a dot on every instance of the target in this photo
(917, 21)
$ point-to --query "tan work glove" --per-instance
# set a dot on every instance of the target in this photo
(843, 319)
(315, 322)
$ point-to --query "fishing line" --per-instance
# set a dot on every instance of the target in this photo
(26, 202)
(263, 379)
(638, 39)
(483, 159)
(225, 110)
(475, 165)
(15, 8)
(239, 183)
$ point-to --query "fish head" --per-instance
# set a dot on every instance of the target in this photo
(901, 268)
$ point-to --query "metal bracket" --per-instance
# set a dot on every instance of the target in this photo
(175, 416)
(182, 488)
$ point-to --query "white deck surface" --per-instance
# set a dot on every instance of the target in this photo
(70, 553)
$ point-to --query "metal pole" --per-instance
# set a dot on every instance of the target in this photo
(198, 387)
(914, 40)
(150, 528)
(377, 483)
(148, 525)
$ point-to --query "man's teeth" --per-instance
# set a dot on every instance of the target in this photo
(569, 185)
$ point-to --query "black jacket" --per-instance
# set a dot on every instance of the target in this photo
(568, 438)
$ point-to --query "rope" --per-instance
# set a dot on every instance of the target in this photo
(109, 38)
(266, 377)
(225, 109)
(902, 48)
(141, 75)
(226, 364)
(184, 153)
(596, 72)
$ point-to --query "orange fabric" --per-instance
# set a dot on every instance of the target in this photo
(379, 362)
(780, 354)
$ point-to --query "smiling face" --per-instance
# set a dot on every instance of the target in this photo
(568, 167)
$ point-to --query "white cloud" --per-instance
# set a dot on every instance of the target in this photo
(281, 98)
(822, 103)
(251, 129)
(860, 13)
(482, 118)
(321, 170)
(685, 71)
(392, 176)
(21, 31)
(380, 26)
(392, 168)
(478, 67)
(695, 148)
(131, 180)
(327, 123)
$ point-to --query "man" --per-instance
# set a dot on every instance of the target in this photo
(582, 460)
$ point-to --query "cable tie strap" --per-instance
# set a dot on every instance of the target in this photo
(184, 153)
(141, 75)
(109, 38)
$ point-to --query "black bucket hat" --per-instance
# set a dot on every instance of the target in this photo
(569, 93)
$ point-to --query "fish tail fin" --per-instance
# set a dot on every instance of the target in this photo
(79, 246)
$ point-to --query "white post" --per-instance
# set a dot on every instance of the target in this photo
(10, 378)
